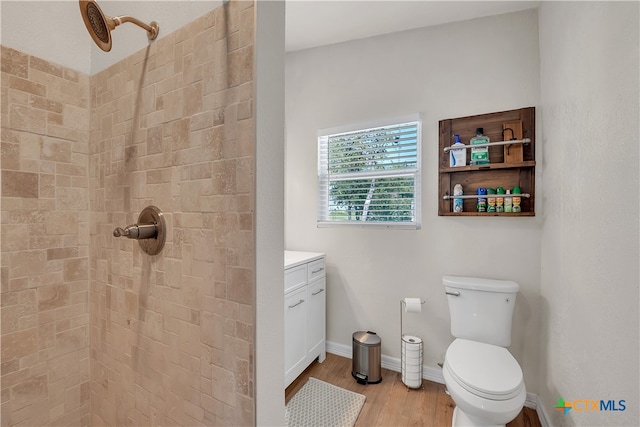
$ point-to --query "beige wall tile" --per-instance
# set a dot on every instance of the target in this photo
(25, 85)
(18, 344)
(19, 184)
(71, 340)
(240, 66)
(14, 62)
(41, 131)
(28, 392)
(61, 253)
(188, 154)
(27, 119)
(10, 156)
(15, 237)
(27, 263)
(46, 66)
(56, 150)
(50, 297)
(43, 103)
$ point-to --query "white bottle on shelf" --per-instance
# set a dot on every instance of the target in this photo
(457, 202)
(457, 156)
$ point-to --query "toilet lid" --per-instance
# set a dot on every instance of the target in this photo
(486, 370)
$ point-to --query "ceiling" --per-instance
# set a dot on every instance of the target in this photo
(53, 29)
(312, 23)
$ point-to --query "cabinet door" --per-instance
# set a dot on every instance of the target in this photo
(295, 329)
(317, 291)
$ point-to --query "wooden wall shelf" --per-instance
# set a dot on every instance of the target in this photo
(506, 169)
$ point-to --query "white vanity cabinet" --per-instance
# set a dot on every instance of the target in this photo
(304, 311)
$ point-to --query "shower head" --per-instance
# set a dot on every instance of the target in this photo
(100, 26)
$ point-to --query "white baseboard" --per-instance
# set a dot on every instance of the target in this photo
(432, 374)
(387, 362)
(543, 415)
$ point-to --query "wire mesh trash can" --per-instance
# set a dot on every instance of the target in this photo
(366, 357)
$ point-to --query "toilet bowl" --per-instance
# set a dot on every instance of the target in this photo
(485, 382)
(483, 378)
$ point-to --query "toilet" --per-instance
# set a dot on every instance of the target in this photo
(483, 378)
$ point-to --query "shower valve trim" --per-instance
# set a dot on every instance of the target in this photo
(149, 231)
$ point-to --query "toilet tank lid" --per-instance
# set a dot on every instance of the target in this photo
(480, 284)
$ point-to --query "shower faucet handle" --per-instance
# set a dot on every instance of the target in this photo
(137, 231)
(119, 232)
(150, 231)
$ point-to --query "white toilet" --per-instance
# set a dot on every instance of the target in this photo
(483, 378)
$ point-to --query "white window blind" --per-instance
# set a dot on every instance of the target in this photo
(370, 175)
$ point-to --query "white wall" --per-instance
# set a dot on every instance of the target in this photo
(269, 212)
(472, 67)
(589, 281)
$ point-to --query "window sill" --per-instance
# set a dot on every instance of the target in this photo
(375, 225)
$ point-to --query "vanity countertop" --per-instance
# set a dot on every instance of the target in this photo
(294, 258)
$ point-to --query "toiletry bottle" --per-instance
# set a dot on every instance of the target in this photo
(500, 199)
(508, 202)
(517, 200)
(457, 156)
(457, 203)
(481, 206)
(491, 200)
(479, 156)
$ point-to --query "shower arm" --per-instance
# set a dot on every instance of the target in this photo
(152, 29)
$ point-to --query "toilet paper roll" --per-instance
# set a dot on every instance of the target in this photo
(412, 353)
(412, 341)
(411, 377)
(412, 369)
(412, 382)
(413, 360)
(412, 305)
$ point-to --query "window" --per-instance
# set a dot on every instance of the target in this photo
(370, 174)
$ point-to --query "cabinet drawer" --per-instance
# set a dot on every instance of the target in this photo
(316, 269)
(295, 277)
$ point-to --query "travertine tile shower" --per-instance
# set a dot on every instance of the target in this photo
(45, 243)
(95, 331)
(172, 126)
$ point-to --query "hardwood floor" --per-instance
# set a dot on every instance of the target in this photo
(391, 403)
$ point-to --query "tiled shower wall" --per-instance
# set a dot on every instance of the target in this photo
(172, 335)
(45, 243)
(94, 331)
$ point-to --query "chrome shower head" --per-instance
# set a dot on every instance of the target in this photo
(100, 26)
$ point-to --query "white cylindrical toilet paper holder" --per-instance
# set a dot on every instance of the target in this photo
(411, 347)
(411, 361)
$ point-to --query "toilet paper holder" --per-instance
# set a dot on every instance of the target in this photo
(410, 305)
(403, 308)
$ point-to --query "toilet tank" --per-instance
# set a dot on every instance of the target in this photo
(481, 309)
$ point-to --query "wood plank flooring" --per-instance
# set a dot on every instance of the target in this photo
(391, 403)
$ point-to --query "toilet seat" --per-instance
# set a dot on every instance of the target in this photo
(484, 370)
